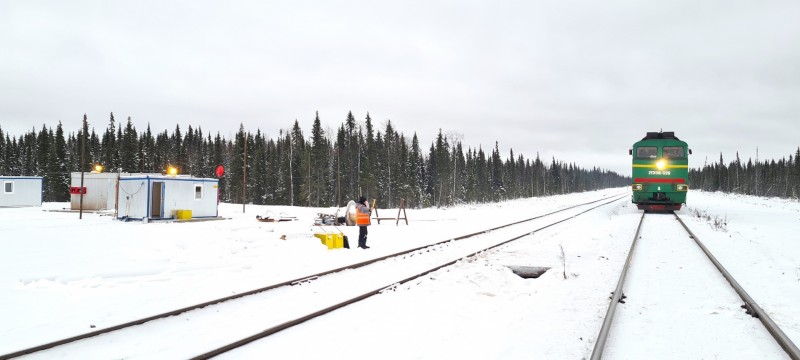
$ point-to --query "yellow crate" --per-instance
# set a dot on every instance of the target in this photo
(183, 214)
(331, 240)
(326, 239)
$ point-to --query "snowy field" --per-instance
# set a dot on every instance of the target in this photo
(60, 276)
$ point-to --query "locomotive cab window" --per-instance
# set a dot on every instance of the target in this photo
(673, 152)
(647, 152)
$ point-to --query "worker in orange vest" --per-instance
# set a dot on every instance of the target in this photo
(362, 220)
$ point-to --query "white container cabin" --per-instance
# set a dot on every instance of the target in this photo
(157, 196)
(101, 191)
(21, 191)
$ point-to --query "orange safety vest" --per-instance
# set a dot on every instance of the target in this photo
(362, 218)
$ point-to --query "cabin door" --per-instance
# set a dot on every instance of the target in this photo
(157, 199)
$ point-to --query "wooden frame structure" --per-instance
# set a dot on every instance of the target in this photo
(401, 208)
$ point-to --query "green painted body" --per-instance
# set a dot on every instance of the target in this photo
(660, 186)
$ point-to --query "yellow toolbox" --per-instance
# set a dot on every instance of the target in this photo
(183, 214)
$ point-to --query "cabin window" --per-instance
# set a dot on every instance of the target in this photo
(673, 152)
(8, 187)
(647, 152)
(198, 192)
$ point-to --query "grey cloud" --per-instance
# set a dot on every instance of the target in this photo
(578, 80)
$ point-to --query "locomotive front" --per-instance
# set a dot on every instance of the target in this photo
(660, 172)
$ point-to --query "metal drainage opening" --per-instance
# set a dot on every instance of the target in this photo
(528, 272)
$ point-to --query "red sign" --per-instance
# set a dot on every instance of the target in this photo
(220, 171)
(77, 190)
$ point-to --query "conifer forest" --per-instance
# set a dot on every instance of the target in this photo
(770, 178)
(322, 169)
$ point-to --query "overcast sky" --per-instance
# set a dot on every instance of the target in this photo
(578, 80)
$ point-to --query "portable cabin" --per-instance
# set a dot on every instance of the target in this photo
(156, 196)
(21, 191)
(100, 191)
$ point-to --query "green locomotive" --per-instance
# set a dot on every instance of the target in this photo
(660, 172)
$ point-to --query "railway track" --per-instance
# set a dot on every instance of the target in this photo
(683, 265)
(246, 313)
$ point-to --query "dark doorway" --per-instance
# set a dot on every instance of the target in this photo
(157, 195)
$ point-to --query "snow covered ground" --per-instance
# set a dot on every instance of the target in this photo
(60, 276)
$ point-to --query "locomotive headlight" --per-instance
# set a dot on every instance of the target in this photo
(661, 164)
(682, 187)
(636, 187)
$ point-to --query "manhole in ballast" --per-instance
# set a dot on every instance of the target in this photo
(528, 272)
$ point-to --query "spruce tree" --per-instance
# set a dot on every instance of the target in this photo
(42, 152)
(129, 149)
(381, 170)
(405, 182)
(367, 171)
(195, 153)
(298, 156)
(259, 176)
(3, 165)
(218, 158)
(236, 169)
(417, 167)
(272, 171)
(283, 169)
(389, 155)
(94, 149)
(59, 167)
(12, 156)
(28, 145)
(339, 158)
(109, 146)
(84, 155)
(319, 182)
(498, 186)
(481, 176)
(177, 152)
(459, 173)
(148, 152)
(350, 158)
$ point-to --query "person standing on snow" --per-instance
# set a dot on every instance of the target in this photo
(362, 220)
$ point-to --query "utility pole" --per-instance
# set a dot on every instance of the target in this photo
(338, 179)
(389, 166)
(83, 154)
(291, 177)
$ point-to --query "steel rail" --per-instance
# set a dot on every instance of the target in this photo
(600, 344)
(91, 334)
(302, 319)
(750, 304)
(783, 340)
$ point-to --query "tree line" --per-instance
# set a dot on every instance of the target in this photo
(761, 178)
(325, 168)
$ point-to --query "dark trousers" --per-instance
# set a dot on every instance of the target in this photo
(362, 236)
